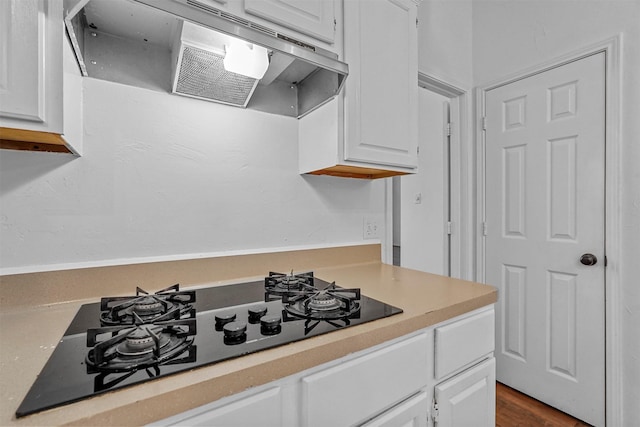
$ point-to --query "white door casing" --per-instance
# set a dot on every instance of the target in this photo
(545, 207)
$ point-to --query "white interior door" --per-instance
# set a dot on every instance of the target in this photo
(545, 205)
(424, 203)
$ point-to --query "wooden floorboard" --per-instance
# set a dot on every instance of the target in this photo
(514, 409)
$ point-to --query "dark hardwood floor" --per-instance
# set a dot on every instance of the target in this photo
(516, 409)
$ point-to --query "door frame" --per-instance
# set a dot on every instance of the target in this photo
(613, 314)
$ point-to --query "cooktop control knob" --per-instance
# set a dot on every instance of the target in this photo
(256, 312)
(224, 318)
(270, 325)
(235, 332)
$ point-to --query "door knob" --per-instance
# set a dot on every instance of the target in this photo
(588, 259)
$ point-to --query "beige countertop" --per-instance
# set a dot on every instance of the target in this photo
(28, 335)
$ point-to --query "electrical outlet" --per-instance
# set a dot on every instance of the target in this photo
(417, 199)
(370, 228)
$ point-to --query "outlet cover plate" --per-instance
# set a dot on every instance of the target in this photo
(370, 228)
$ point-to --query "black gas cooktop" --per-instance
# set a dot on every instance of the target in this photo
(123, 341)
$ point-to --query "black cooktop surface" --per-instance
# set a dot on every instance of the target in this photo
(69, 376)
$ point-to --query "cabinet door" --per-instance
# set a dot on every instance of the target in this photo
(381, 92)
(312, 17)
(31, 67)
(468, 399)
(410, 413)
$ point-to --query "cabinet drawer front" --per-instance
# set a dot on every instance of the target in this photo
(463, 342)
(411, 412)
(261, 409)
(356, 390)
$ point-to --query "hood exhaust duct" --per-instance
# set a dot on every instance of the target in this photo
(185, 47)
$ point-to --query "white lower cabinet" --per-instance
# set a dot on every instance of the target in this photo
(393, 384)
(468, 399)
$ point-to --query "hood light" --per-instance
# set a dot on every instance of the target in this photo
(246, 58)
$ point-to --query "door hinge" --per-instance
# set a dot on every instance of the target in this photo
(448, 129)
(418, 149)
(606, 261)
(416, 22)
(484, 123)
(484, 229)
(435, 413)
(449, 228)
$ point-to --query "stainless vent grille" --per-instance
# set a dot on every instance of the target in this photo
(233, 18)
(263, 29)
(201, 74)
(205, 7)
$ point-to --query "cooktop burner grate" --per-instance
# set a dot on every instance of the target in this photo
(320, 304)
(129, 348)
(278, 284)
(166, 304)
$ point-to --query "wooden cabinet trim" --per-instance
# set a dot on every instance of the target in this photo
(357, 172)
(21, 139)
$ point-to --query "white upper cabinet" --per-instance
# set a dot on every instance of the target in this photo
(22, 75)
(316, 23)
(371, 130)
(382, 88)
(312, 17)
(32, 76)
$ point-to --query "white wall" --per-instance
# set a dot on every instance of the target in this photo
(445, 41)
(509, 36)
(168, 176)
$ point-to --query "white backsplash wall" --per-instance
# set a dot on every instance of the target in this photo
(168, 176)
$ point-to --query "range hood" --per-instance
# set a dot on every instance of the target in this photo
(180, 46)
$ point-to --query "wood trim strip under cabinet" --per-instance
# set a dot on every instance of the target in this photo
(357, 172)
(20, 139)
